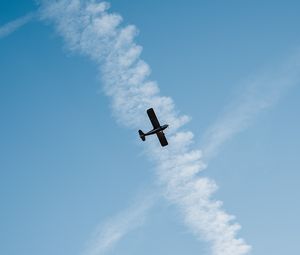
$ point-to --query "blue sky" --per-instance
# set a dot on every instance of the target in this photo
(68, 166)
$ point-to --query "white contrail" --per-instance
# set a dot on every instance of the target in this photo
(108, 234)
(12, 26)
(88, 28)
(259, 93)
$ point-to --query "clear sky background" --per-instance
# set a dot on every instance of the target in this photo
(66, 166)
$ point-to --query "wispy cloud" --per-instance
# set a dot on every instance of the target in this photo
(259, 93)
(114, 229)
(88, 28)
(12, 26)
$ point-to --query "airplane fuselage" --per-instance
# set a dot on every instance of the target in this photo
(156, 130)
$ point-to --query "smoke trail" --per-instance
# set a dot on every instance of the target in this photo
(88, 28)
(13, 26)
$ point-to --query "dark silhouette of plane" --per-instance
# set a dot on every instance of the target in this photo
(157, 129)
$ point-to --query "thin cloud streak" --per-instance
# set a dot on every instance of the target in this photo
(88, 28)
(12, 26)
(113, 230)
(259, 94)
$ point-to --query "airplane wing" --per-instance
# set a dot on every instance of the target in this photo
(162, 139)
(153, 118)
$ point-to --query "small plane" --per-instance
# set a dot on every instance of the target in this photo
(157, 129)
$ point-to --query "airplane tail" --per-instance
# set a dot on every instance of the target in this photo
(142, 135)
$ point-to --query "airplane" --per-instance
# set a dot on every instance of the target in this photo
(157, 129)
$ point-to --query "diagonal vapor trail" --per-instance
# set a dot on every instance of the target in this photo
(115, 228)
(12, 26)
(91, 30)
(260, 93)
